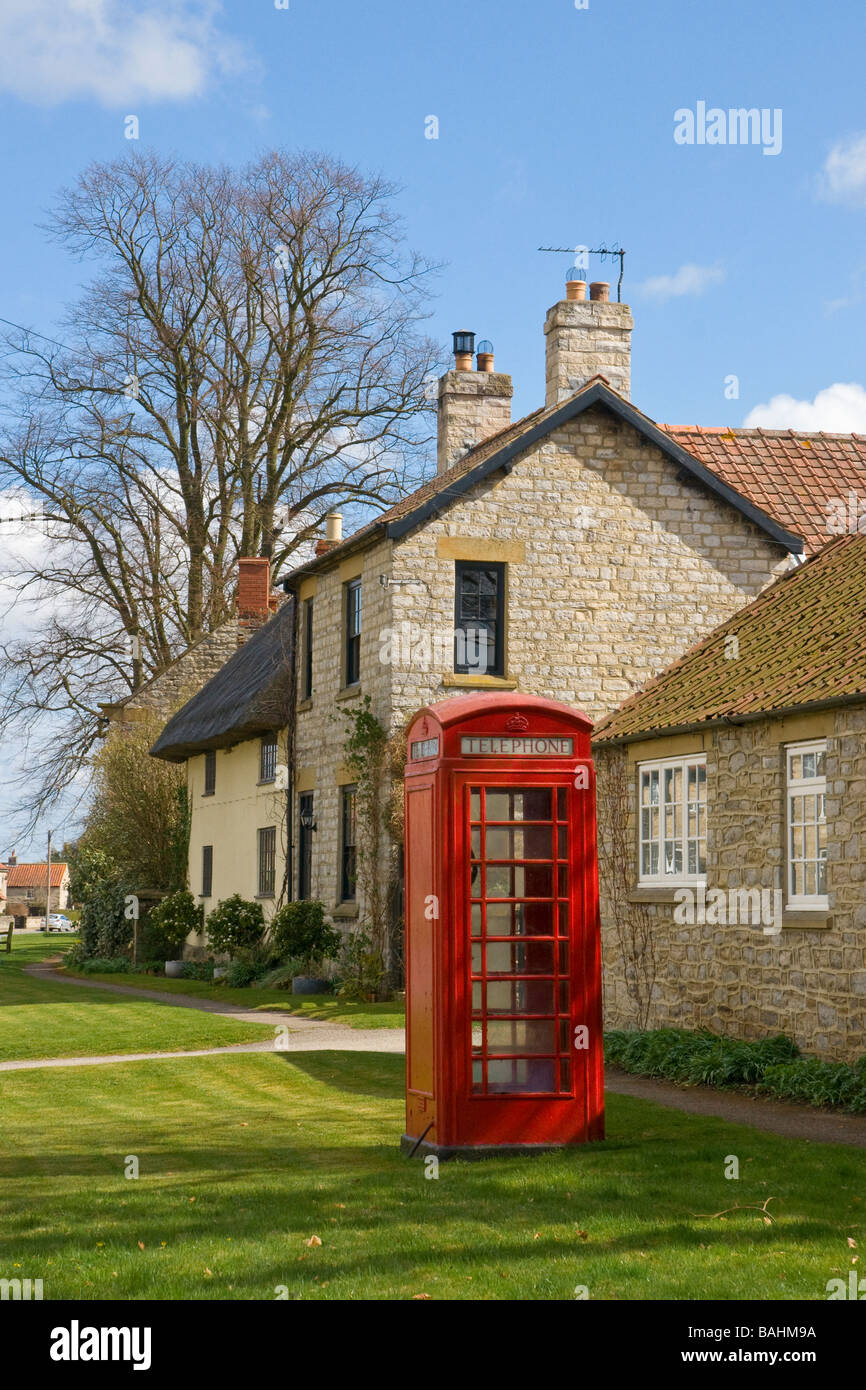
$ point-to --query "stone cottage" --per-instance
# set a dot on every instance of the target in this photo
(572, 554)
(732, 809)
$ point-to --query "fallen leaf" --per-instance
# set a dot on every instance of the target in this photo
(207, 1271)
(314, 1240)
(852, 1244)
(416, 1296)
(141, 1245)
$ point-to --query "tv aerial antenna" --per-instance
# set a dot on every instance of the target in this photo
(603, 252)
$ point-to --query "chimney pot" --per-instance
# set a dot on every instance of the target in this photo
(484, 356)
(599, 290)
(334, 528)
(464, 350)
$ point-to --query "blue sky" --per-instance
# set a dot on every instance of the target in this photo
(556, 127)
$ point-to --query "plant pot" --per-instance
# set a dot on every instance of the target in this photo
(174, 969)
(220, 971)
(308, 984)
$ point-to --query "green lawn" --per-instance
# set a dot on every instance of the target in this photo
(243, 1159)
(51, 1019)
(323, 1006)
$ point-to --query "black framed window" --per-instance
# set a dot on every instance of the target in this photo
(307, 825)
(268, 758)
(267, 861)
(348, 819)
(307, 673)
(353, 632)
(479, 619)
(206, 870)
(210, 773)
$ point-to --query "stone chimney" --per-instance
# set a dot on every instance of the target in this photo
(587, 338)
(12, 860)
(473, 405)
(333, 533)
(256, 603)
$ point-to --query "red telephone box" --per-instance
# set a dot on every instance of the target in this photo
(503, 969)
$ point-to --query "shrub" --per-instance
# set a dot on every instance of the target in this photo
(171, 922)
(105, 965)
(89, 869)
(197, 970)
(818, 1083)
(105, 928)
(243, 973)
(281, 978)
(697, 1058)
(299, 932)
(361, 968)
(236, 925)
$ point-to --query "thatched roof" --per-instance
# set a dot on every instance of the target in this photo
(248, 696)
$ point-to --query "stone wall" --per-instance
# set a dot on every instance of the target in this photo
(472, 407)
(809, 980)
(321, 728)
(183, 679)
(614, 567)
(586, 338)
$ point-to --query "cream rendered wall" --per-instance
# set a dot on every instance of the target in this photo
(229, 820)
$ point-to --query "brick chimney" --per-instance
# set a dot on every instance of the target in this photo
(12, 860)
(256, 603)
(473, 405)
(587, 338)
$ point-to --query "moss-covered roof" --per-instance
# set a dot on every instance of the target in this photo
(802, 642)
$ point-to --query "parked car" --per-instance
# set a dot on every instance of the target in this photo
(57, 922)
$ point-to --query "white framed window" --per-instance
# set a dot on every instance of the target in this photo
(806, 823)
(672, 821)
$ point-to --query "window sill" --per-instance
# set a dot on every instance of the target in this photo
(465, 681)
(806, 919)
(263, 897)
(266, 781)
(208, 793)
(303, 705)
(662, 894)
(345, 910)
(348, 692)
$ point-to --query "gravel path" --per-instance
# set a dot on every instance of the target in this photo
(313, 1035)
(775, 1116)
(297, 1034)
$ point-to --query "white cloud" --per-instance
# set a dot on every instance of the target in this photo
(689, 279)
(843, 178)
(57, 50)
(838, 409)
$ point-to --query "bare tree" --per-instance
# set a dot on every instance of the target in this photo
(247, 356)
